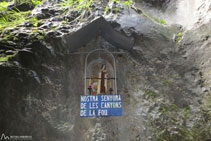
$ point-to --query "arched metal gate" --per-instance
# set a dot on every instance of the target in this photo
(94, 61)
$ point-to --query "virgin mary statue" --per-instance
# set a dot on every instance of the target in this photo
(102, 82)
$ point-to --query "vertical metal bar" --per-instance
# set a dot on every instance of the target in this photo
(115, 80)
(85, 88)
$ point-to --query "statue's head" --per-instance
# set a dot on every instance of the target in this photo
(103, 67)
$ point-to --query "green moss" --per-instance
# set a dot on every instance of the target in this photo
(174, 107)
(207, 107)
(171, 124)
(167, 82)
(149, 94)
(144, 15)
(156, 19)
(206, 76)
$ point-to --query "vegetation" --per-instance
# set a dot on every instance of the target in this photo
(128, 3)
(5, 58)
(173, 123)
(149, 94)
(153, 18)
(179, 36)
(162, 21)
(76, 4)
(84, 7)
(13, 16)
(36, 2)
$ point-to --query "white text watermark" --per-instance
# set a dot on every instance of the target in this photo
(15, 138)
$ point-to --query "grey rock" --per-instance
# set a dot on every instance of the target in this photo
(151, 76)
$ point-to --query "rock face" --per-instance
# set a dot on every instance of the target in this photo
(161, 79)
(188, 13)
(155, 3)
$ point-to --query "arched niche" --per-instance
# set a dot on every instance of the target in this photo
(100, 73)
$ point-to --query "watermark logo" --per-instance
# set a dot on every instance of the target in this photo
(4, 137)
(15, 138)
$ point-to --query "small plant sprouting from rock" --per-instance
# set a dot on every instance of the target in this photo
(156, 19)
(11, 17)
(128, 3)
(162, 21)
(37, 2)
(179, 35)
(7, 57)
(85, 6)
(34, 21)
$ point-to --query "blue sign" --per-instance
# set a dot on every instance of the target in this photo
(100, 105)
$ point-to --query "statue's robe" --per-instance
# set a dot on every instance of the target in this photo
(102, 83)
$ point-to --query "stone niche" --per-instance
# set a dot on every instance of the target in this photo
(101, 42)
(100, 68)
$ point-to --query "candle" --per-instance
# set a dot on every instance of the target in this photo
(90, 81)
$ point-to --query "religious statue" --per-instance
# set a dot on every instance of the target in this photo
(102, 82)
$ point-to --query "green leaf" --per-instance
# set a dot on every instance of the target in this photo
(35, 24)
(3, 5)
(4, 59)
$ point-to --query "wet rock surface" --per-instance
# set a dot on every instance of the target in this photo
(162, 77)
(155, 3)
